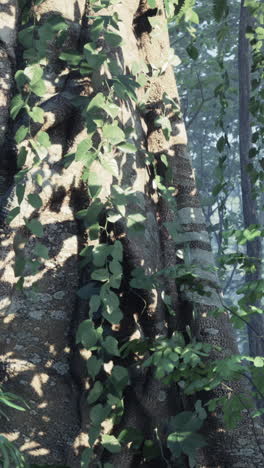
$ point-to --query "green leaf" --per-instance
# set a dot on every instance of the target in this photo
(26, 37)
(94, 366)
(127, 148)
(86, 457)
(221, 144)
(20, 264)
(192, 51)
(220, 9)
(21, 80)
(94, 304)
(117, 272)
(17, 103)
(130, 434)
(113, 134)
(100, 275)
(21, 134)
(99, 413)
(86, 334)
(35, 200)
(110, 344)
(93, 184)
(110, 165)
(22, 157)
(113, 38)
(36, 83)
(184, 439)
(117, 251)
(191, 16)
(35, 227)
(94, 58)
(41, 250)
(110, 443)
(43, 139)
(12, 214)
(112, 109)
(100, 254)
(152, 3)
(37, 114)
(109, 299)
(71, 57)
(258, 361)
(134, 220)
(20, 192)
(95, 392)
(83, 148)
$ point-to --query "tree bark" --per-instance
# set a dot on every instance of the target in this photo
(37, 340)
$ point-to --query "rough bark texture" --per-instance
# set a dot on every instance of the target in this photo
(38, 325)
(248, 199)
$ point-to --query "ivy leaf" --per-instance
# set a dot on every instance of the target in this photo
(130, 434)
(192, 51)
(136, 221)
(152, 3)
(100, 275)
(100, 254)
(185, 439)
(37, 114)
(41, 250)
(258, 361)
(94, 304)
(220, 9)
(113, 134)
(117, 251)
(110, 344)
(94, 366)
(127, 148)
(86, 334)
(110, 165)
(17, 103)
(71, 57)
(35, 200)
(93, 186)
(20, 192)
(99, 413)
(110, 443)
(113, 38)
(43, 139)
(19, 266)
(220, 145)
(12, 214)
(36, 83)
(112, 109)
(35, 227)
(82, 149)
(95, 392)
(94, 58)
(22, 156)
(86, 457)
(21, 134)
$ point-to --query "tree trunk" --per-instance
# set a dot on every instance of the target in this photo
(43, 364)
(248, 199)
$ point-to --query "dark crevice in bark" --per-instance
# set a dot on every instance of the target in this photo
(141, 23)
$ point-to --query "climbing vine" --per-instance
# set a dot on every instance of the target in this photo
(180, 359)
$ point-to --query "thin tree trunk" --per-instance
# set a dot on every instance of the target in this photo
(248, 200)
